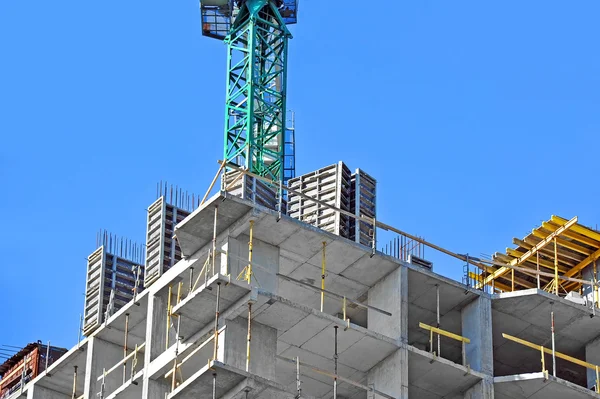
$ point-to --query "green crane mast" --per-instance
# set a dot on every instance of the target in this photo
(256, 35)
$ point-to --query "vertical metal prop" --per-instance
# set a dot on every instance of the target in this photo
(553, 347)
(74, 393)
(216, 339)
(437, 289)
(191, 279)
(298, 382)
(168, 316)
(335, 359)
(595, 287)
(249, 337)
(173, 377)
(538, 269)
(80, 329)
(214, 395)
(214, 246)
(125, 347)
(555, 267)
(323, 270)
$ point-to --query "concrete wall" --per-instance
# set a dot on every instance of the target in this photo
(477, 326)
(391, 376)
(265, 258)
(390, 294)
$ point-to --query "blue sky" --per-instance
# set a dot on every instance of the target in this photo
(478, 119)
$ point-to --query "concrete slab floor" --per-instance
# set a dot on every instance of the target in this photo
(114, 330)
(431, 377)
(59, 377)
(535, 386)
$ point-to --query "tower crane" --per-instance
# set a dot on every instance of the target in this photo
(256, 34)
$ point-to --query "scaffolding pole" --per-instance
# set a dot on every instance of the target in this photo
(323, 270)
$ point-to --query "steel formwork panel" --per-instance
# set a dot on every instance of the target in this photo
(251, 189)
(363, 194)
(331, 185)
(108, 275)
(162, 250)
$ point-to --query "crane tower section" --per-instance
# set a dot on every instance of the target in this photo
(257, 36)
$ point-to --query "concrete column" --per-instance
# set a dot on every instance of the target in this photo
(265, 258)
(482, 390)
(156, 336)
(592, 355)
(101, 355)
(390, 294)
(263, 347)
(391, 376)
(155, 389)
(477, 326)
(38, 392)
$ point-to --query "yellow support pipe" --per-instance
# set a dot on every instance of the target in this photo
(323, 270)
(445, 333)
(516, 262)
(250, 247)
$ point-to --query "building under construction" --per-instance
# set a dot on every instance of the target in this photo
(276, 286)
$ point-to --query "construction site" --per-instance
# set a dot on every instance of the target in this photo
(273, 285)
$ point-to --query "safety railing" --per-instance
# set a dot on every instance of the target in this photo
(546, 351)
(448, 334)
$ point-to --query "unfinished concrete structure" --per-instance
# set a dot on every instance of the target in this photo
(263, 305)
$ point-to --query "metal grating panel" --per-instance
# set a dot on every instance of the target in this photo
(330, 185)
(363, 193)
